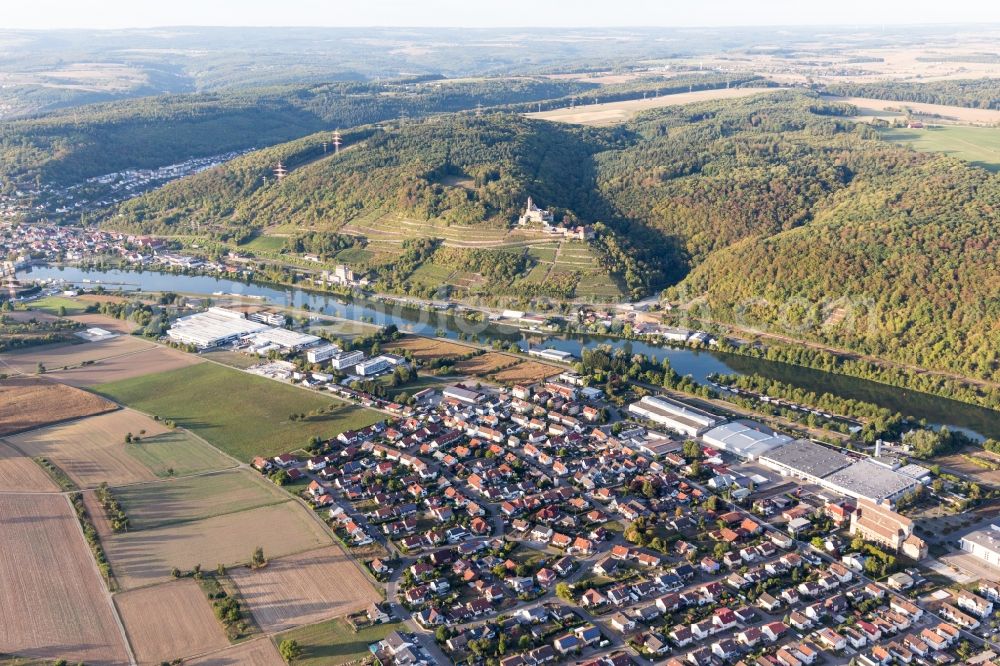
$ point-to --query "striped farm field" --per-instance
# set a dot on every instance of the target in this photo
(302, 589)
(169, 621)
(53, 603)
(93, 450)
(152, 505)
(146, 557)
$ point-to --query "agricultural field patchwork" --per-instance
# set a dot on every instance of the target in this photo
(979, 145)
(242, 414)
(527, 372)
(260, 652)
(93, 450)
(177, 452)
(125, 366)
(27, 403)
(153, 505)
(52, 600)
(56, 357)
(424, 349)
(145, 557)
(169, 621)
(303, 589)
(612, 113)
(486, 364)
(19, 472)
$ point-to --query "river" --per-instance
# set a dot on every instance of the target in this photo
(977, 422)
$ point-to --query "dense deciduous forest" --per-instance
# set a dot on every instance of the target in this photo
(68, 146)
(973, 93)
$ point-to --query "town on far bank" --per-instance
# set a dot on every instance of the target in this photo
(520, 507)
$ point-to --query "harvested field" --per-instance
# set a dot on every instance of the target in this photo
(152, 505)
(126, 366)
(93, 450)
(57, 357)
(242, 414)
(20, 473)
(27, 403)
(958, 462)
(254, 653)
(889, 110)
(169, 621)
(428, 348)
(303, 589)
(527, 372)
(93, 320)
(485, 364)
(611, 113)
(52, 600)
(145, 557)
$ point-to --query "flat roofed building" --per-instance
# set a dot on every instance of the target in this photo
(984, 544)
(878, 523)
(284, 338)
(345, 360)
(212, 328)
(744, 438)
(805, 460)
(322, 353)
(675, 415)
(372, 366)
(462, 394)
(869, 480)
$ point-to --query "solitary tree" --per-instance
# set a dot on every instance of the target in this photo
(257, 560)
(289, 650)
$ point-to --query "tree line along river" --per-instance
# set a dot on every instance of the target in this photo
(977, 422)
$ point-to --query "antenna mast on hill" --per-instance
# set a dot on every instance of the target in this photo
(336, 141)
(280, 171)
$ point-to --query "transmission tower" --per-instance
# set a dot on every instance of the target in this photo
(479, 109)
(280, 171)
(337, 141)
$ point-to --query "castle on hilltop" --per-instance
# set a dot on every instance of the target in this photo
(534, 214)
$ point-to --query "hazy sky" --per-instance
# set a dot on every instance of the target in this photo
(42, 14)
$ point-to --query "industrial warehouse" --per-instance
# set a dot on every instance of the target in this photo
(875, 479)
(675, 415)
(219, 326)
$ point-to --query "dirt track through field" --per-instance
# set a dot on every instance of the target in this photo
(260, 652)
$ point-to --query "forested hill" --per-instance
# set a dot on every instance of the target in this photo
(461, 169)
(66, 147)
(905, 265)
